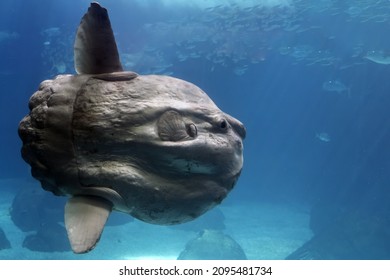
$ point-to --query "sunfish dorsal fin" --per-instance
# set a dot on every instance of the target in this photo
(85, 217)
(95, 50)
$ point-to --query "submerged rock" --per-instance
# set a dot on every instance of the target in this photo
(212, 245)
(351, 235)
(49, 238)
(4, 242)
(33, 207)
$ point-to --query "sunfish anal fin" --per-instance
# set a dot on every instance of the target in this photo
(85, 217)
(95, 50)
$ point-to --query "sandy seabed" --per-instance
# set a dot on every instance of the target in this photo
(265, 231)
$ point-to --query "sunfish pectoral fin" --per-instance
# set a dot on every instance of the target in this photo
(95, 50)
(85, 217)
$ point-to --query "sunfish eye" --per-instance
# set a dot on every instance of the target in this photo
(223, 124)
(237, 126)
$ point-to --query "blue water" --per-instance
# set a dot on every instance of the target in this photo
(296, 73)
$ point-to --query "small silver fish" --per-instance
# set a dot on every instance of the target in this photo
(323, 136)
(379, 57)
(336, 86)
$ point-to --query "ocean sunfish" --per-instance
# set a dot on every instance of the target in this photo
(152, 146)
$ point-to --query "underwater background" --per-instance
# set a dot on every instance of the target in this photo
(310, 81)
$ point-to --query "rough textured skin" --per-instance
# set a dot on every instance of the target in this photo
(104, 137)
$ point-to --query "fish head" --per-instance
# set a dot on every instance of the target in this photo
(208, 143)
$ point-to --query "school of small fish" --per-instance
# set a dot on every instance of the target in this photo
(236, 34)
